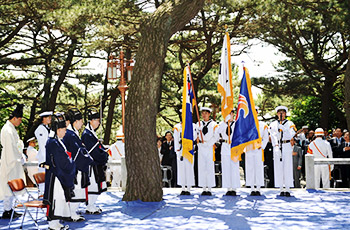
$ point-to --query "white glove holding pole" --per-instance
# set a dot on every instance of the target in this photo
(277, 152)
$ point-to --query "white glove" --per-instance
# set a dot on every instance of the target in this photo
(199, 128)
(277, 152)
(280, 126)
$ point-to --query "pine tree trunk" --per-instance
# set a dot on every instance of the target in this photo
(347, 92)
(142, 161)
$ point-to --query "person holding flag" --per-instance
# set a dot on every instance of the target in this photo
(230, 168)
(246, 135)
(282, 131)
(254, 161)
(205, 135)
(184, 136)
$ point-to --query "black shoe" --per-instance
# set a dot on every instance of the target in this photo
(257, 193)
(99, 211)
(253, 193)
(182, 193)
(187, 193)
(7, 215)
(204, 193)
(287, 194)
(283, 194)
(209, 193)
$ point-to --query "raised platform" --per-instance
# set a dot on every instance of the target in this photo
(307, 209)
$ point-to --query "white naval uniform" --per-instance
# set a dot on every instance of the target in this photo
(11, 162)
(283, 170)
(42, 135)
(321, 149)
(206, 170)
(230, 168)
(32, 156)
(185, 172)
(118, 151)
(254, 165)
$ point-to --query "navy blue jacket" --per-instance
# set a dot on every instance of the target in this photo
(98, 153)
(79, 153)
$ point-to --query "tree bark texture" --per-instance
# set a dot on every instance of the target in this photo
(347, 91)
(142, 161)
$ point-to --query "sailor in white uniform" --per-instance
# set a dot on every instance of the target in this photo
(205, 135)
(254, 165)
(230, 167)
(32, 156)
(282, 131)
(185, 171)
(42, 135)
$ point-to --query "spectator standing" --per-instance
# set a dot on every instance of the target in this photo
(297, 162)
(32, 156)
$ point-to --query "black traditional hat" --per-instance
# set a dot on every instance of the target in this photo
(58, 121)
(74, 114)
(18, 112)
(93, 114)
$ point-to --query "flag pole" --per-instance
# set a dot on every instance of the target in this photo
(195, 99)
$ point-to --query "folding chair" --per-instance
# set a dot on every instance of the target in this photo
(17, 185)
(39, 179)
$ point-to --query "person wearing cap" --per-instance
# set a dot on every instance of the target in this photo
(254, 161)
(185, 169)
(42, 135)
(321, 149)
(59, 175)
(302, 133)
(82, 159)
(100, 156)
(297, 162)
(205, 136)
(117, 151)
(230, 169)
(32, 156)
(282, 131)
(11, 160)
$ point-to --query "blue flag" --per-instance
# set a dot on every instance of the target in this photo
(187, 110)
(246, 132)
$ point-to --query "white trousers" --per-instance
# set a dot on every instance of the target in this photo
(60, 206)
(185, 172)
(283, 170)
(322, 173)
(230, 169)
(206, 171)
(8, 203)
(254, 168)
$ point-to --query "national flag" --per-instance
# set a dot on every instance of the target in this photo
(187, 111)
(225, 78)
(246, 132)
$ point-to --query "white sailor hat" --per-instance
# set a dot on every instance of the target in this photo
(319, 132)
(206, 109)
(305, 127)
(45, 114)
(30, 139)
(281, 107)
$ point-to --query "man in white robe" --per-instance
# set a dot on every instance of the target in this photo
(11, 160)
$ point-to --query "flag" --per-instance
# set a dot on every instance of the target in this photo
(225, 78)
(246, 132)
(187, 111)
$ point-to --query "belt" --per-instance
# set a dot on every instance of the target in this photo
(285, 142)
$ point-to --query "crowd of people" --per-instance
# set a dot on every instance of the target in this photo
(74, 164)
(279, 162)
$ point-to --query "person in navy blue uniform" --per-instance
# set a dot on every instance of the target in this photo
(82, 159)
(59, 175)
(100, 156)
